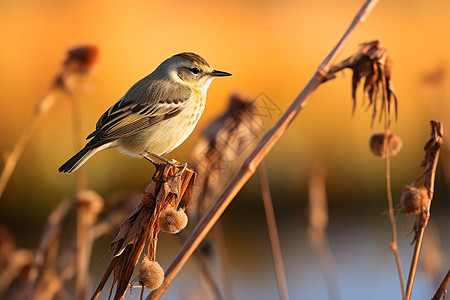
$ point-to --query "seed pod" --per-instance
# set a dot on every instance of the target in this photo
(172, 220)
(151, 275)
(377, 143)
(413, 199)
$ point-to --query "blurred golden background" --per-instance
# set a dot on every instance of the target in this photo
(272, 47)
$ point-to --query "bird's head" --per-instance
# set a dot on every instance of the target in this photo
(192, 70)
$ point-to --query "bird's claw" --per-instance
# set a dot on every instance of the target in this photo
(182, 166)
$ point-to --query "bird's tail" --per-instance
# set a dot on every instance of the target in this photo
(77, 160)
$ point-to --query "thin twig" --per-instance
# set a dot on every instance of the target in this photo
(46, 253)
(89, 205)
(203, 266)
(77, 65)
(394, 243)
(414, 262)
(218, 238)
(83, 232)
(262, 149)
(273, 232)
(13, 157)
(318, 222)
(440, 291)
(208, 277)
(387, 157)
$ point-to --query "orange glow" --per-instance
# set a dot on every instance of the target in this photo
(268, 46)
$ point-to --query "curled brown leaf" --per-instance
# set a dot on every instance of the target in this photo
(372, 64)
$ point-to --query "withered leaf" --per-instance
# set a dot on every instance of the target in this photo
(373, 64)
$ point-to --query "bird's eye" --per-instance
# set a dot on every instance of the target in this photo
(195, 70)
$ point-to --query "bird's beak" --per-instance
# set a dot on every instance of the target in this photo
(219, 73)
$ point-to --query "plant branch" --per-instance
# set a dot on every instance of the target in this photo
(387, 156)
(394, 244)
(426, 179)
(262, 149)
(440, 291)
(273, 232)
(83, 226)
(13, 157)
(74, 69)
(317, 226)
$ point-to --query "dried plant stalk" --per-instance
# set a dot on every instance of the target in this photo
(273, 232)
(394, 243)
(89, 205)
(13, 260)
(142, 226)
(223, 142)
(56, 269)
(39, 276)
(426, 179)
(442, 287)
(75, 68)
(372, 63)
(318, 222)
(262, 149)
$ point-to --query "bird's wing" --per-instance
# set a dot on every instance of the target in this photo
(140, 108)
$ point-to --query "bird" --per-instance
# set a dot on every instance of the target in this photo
(156, 114)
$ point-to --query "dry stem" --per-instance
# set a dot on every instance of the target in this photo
(251, 163)
(221, 147)
(13, 157)
(273, 232)
(394, 244)
(84, 238)
(318, 222)
(46, 254)
(387, 155)
(440, 291)
(88, 206)
(13, 265)
(426, 178)
(77, 65)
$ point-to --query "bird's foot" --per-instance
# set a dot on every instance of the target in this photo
(157, 164)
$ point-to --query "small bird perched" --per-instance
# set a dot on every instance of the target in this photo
(156, 115)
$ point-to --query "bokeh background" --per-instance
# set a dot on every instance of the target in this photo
(269, 46)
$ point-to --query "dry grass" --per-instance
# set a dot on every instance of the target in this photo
(46, 273)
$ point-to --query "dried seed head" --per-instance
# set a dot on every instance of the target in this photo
(372, 64)
(413, 199)
(172, 220)
(377, 143)
(151, 275)
(82, 58)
